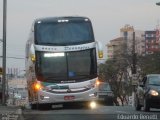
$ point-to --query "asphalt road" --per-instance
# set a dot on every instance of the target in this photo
(100, 113)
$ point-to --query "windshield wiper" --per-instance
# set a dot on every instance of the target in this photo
(78, 77)
(55, 78)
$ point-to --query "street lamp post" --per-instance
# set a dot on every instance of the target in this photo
(4, 52)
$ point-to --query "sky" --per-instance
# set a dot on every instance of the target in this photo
(107, 17)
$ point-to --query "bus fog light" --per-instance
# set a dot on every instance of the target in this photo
(93, 105)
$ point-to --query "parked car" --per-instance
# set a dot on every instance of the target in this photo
(105, 94)
(148, 93)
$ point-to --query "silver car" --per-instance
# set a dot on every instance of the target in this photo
(105, 94)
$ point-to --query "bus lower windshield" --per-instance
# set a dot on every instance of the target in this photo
(68, 33)
(74, 66)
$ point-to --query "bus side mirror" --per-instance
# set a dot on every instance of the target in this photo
(100, 49)
(32, 53)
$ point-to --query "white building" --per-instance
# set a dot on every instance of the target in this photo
(126, 37)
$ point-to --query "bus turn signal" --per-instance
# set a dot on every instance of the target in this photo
(38, 86)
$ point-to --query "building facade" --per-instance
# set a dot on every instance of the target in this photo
(114, 46)
(126, 39)
(127, 33)
(152, 43)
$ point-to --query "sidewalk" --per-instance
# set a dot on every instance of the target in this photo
(10, 113)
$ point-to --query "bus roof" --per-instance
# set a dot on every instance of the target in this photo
(55, 19)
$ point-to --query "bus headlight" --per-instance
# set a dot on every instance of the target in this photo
(97, 83)
(38, 86)
(153, 93)
(94, 84)
(93, 105)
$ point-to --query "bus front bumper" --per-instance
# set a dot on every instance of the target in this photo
(47, 97)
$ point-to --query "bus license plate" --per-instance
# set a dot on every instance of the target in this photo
(69, 97)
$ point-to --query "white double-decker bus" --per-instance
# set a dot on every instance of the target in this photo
(61, 61)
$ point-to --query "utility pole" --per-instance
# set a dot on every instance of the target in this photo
(134, 56)
(4, 52)
(134, 69)
(134, 62)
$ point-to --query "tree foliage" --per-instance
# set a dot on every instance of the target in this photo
(149, 64)
(114, 72)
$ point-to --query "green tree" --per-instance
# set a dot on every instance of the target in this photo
(149, 64)
(113, 72)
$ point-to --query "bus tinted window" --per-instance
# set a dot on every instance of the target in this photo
(81, 64)
(57, 67)
(64, 33)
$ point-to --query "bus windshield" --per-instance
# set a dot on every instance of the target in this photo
(74, 66)
(67, 33)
